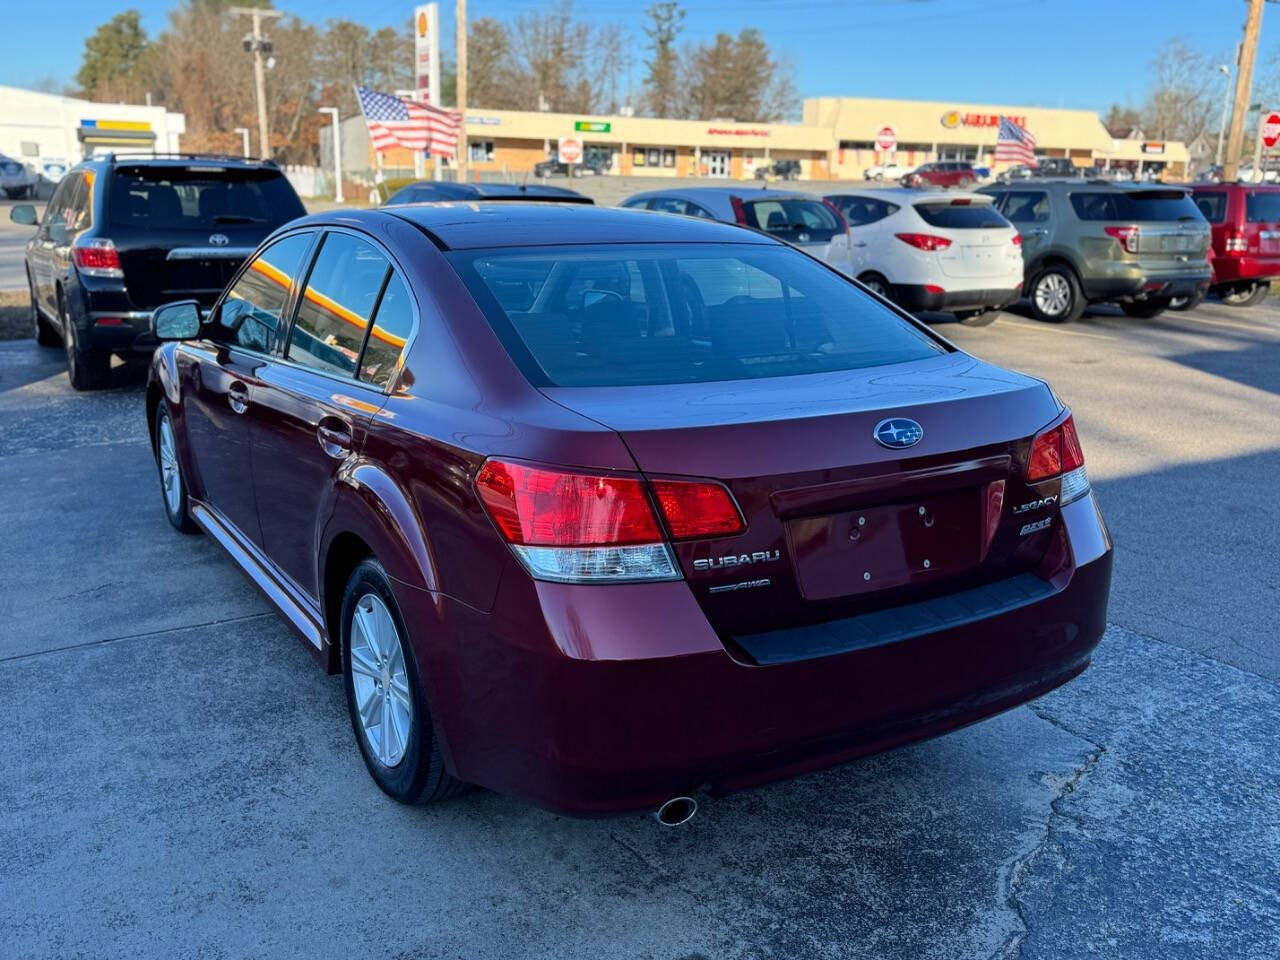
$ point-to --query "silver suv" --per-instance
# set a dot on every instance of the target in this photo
(1088, 241)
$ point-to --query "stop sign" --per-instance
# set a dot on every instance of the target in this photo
(886, 139)
(570, 150)
(1271, 130)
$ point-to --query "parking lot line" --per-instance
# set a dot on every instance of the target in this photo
(1045, 328)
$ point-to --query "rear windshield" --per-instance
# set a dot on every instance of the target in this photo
(797, 221)
(1212, 206)
(201, 198)
(616, 315)
(1134, 206)
(1262, 206)
(961, 216)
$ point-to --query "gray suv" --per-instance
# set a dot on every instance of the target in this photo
(1088, 241)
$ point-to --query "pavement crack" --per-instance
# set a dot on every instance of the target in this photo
(134, 636)
(1015, 873)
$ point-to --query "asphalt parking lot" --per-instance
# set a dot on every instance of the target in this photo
(177, 778)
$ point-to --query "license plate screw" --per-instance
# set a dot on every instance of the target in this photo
(862, 521)
(866, 576)
(921, 511)
(926, 564)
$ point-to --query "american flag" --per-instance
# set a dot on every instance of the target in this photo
(1014, 144)
(400, 122)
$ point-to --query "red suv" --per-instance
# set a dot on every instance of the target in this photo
(1245, 218)
(944, 174)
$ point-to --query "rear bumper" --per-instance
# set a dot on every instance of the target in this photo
(916, 298)
(1128, 282)
(622, 697)
(1237, 269)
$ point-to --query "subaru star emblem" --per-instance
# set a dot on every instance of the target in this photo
(218, 240)
(898, 432)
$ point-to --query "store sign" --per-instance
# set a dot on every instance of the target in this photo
(887, 139)
(426, 53)
(486, 121)
(1153, 146)
(736, 132)
(592, 126)
(954, 118)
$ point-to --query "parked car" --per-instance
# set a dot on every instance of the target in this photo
(941, 174)
(1056, 167)
(425, 191)
(886, 171)
(593, 506)
(1085, 241)
(801, 219)
(1245, 256)
(1019, 171)
(779, 170)
(17, 180)
(556, 168)
(941, 250)
(121, 235)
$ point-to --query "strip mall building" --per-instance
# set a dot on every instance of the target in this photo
(838, 139)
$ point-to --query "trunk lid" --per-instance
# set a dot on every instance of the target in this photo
(847, 525)
(981, 238)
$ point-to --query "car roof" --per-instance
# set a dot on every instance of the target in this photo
(905, 195)
(495, 223)
(177, 160)
(724, 193)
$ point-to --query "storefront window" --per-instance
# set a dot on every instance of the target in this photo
(637, 158)
(668, 158)
(480, 151)
(653, 157)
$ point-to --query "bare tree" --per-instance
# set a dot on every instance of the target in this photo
(662, 70)
(1181, 104)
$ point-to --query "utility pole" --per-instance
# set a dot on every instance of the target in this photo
(462, 90)
(257, 44)
(1244, 83)
(244, 139)
(337, 153)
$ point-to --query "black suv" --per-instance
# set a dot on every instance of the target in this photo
(124, 234)
(780, 170)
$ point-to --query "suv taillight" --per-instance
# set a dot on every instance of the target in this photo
(1128, 237)
(1235, 241)
(591, 528)
(924, 241)
(97, 258)
(739, 210)
(1057, 452)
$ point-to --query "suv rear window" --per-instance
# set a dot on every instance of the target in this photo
(630, 314)
(1212, 206)
(1262, 206)
(788, 218)
(961, 216)
(1134, 206)
(200, 198)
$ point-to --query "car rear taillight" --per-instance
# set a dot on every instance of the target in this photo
(1235, 241)
(97, 258)
(924, 241)
(1127, 236)
(1017, 239)
(739, 210)
(1057, 452)
(574, 527)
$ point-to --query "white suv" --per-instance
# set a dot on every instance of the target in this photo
(934, 250)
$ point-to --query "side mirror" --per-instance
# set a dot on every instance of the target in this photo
(176, 321)
(25, 214)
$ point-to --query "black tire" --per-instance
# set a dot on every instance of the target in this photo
(878, 284)
(46, 336)
(1065, 287)
(179, 515)
(978, 318)
(1146, 309)
(420, 775)
(1246, 297)
(86, 369)
(1189, 302)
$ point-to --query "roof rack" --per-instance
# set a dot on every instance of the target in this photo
(112, 157)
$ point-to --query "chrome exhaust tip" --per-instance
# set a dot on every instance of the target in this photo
(676, 811)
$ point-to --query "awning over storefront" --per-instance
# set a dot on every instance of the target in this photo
(128, 133)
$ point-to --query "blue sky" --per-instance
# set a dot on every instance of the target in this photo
(1057, 53)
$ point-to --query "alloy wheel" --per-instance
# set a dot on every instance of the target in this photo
(170, 476)
(1053, 294)
(384, 710)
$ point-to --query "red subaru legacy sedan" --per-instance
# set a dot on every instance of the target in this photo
(596, 507)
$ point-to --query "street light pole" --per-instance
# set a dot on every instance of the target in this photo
(337, 153)
(1226, 100)
(257, 44)
(462, 90)
(244, 140)
(1244, 81)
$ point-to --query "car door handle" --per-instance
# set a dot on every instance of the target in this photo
(859, 243)
(238, 397)
(334, 435)
(1037, 232)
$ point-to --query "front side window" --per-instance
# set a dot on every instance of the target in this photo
(337, 303)
(625, 314)
(250, 314)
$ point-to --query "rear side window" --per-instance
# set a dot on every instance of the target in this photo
(1262, 206)
(1135, 206)
(860, 211)
(789, 219)
(676, 205)
(200, 198)
(250, 315)
(391, 326)
(961, 216)
(1212, 206)
(1026, 206)
(333, 314)
(629, 314)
